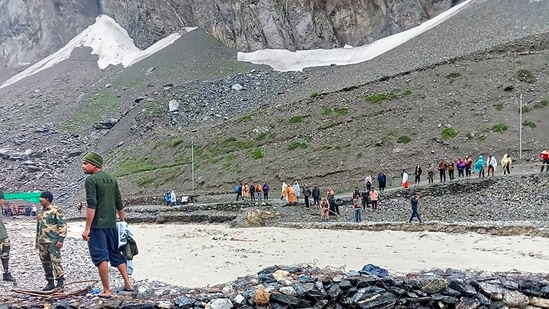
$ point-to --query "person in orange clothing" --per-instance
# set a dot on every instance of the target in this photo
(246, 192)
(442, 166)
(290, 195)
(324, 210)
(258, 192)
(374, 197)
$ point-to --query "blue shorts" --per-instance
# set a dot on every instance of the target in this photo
(103, 245)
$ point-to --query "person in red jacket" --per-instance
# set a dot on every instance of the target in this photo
(544, 156)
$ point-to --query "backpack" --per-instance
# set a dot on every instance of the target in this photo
(237, 189)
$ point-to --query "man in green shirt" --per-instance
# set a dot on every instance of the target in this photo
(4, 246)
(104, 202)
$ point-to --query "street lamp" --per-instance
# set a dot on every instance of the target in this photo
(192, 159)
(520, 126)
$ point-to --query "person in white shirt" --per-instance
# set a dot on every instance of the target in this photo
(173, 198)
(492, 164)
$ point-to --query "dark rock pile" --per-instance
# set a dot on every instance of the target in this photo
(31, 164)
(238, 94)
(312, 287)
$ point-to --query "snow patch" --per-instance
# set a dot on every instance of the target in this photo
(285, 60)
(108, 40)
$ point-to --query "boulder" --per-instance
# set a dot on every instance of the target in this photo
(173, 106)
(33, 168)
(288, 290)
(434, 285)
(184, 302)
(237, 87)
(385, 300)
(333, 291)
(492, 291)
(15, 156)
(283, 277)
(255, 218)
(462, 288)
(239, 299)
(4, 153)
(290, 301)
(220, 303)
(515, 299)
(539, 302)
(468, 303)
(105, 125)
(261, 297)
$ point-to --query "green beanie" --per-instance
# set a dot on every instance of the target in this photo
(93, 158)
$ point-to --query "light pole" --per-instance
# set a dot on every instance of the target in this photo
(192, 161)
(520, 126)
(193, 132)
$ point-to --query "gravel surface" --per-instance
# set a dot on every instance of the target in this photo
(234, 96)
(501, 202)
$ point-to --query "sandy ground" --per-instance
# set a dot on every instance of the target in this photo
(201, 255)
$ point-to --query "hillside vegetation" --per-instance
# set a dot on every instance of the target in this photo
(467, 105)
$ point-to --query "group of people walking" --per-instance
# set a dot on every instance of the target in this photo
(292, 194)
(369, 197)
(465, 167)
(253, 192)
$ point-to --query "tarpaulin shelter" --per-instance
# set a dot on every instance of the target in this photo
(33, 197)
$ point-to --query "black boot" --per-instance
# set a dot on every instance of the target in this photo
(50, 286)
(60, 282)
(8, 277)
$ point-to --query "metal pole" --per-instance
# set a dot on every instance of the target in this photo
(520, 128)
(192, 161)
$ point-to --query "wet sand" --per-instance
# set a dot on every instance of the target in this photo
(201, 255)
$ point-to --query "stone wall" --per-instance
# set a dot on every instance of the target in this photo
(311, 287)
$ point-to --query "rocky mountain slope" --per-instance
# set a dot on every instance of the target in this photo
(464, 106)
(328, 125)
(33, 30)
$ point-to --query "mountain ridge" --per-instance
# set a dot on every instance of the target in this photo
(31, 31)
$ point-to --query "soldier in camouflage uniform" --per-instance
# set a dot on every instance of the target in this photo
(51, 230)
(4, 246)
